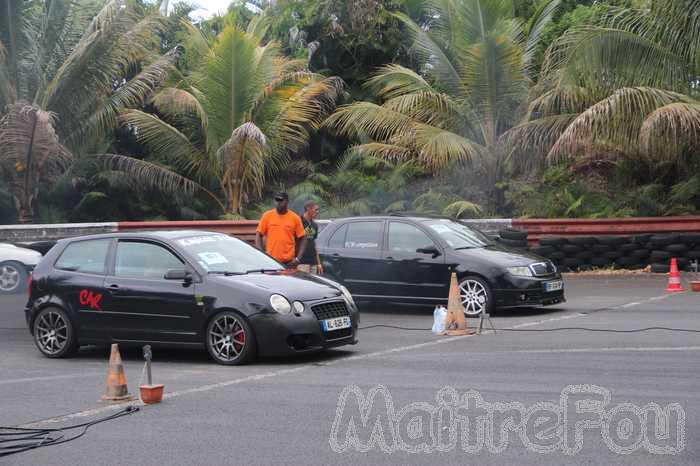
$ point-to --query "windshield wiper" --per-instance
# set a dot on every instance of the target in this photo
(224, 272)
(262, 270)
(466, 247)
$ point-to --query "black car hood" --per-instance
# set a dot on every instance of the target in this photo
(501, 255)
(295, 286)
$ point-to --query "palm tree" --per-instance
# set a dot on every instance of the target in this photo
(623, 89)
(239, 117)
(474, 72)
(67, 69)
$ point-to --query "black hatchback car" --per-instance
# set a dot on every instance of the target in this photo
(183, 288)
(410, 259)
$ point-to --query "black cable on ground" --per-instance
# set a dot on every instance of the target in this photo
(15, 440)
(586, 329)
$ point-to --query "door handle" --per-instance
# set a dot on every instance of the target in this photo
(113, 288)
(389, 258)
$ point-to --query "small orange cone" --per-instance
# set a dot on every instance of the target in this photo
(116, 379)
(674, 278)
(455, 310)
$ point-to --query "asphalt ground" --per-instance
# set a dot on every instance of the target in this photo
(284, 411)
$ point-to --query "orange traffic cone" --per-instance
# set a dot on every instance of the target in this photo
(455, 311)
(116, 379)
(674, 278)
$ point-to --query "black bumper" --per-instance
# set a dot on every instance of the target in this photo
(282, 335)
(514, 291)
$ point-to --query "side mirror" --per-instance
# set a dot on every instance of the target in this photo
(432, 250)
(178, 274)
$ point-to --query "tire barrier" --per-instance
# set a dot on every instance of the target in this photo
(612, 251)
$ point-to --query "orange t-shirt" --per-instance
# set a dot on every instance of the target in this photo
(281, 231)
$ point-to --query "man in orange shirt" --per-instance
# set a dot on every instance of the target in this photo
(279, 230)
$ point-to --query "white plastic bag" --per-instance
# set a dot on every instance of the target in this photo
(439, 317)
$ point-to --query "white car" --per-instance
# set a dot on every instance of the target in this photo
(15, 265)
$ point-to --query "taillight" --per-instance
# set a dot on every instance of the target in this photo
(29, 285)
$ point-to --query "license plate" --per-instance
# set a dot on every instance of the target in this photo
(553, 286)
(336, 324)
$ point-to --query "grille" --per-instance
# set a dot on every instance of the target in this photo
(330, 310)
(542, 269)
(335, 334)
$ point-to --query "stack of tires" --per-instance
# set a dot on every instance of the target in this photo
(578, 253)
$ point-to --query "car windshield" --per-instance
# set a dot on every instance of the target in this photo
(457, 235)
(224, 254)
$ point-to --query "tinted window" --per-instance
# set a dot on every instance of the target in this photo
(221, 253)
(85, 256)
(457, 235)
(338, 238)
(407, 238)
(144, 260)
(363, 235)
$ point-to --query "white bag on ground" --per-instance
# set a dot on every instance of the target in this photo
(439, 317)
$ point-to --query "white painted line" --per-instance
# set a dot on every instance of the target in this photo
(49, 377)
(599, 350)
(267, 375)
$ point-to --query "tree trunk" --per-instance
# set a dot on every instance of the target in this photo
(25, 210)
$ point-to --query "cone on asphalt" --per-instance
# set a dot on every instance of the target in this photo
(116, 379)
(674, 278)
(455, 310)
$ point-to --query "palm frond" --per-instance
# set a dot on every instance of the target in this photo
(528, 143)
(429, 107)
(463, 209)
(395, 80)
(436, 63)
(132, 94)
(614, 120)
(613, 58)
(539, 21)
(361, 120)
(148, 175)
(173, 103)
(669, 131)
(165, 142)
(438, 148)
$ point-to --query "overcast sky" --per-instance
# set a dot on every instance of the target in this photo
(208, 8)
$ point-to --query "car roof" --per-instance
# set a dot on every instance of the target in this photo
(415, 218)
(152, 234)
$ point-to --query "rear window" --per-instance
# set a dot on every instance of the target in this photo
(85, 256)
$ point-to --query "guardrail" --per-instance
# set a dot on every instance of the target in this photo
(541, 227)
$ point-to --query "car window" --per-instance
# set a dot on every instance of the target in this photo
(338, 239)
(221, 253)
(144, 260)
(407, 238)
(363, 235)
(85, 256)
(458, 235)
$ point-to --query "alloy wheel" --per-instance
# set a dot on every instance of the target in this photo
(10, 278)
(474, 297)
(227, 337)
(51, 332)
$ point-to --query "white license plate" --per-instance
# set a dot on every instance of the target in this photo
(336, 324)
(553, 286)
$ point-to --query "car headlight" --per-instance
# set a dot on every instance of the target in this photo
(347, 295)
(280, 304)
(523, 271)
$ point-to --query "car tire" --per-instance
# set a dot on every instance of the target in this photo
(660, 268)
(553, 241)
(543, 251)
(601, 248)
(513, 243)
(471, 288)
(628, 247)
(220, 345)
(13, 277)
(659, 257)
(642, 238)
(512, 234)
(582, 240)
(54, 333)
(678, 248)
(571, 249)
(660, 241)
(612, 240)
(600, 262)
(640, 253)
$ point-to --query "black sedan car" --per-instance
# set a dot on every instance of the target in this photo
(183, 288)
(410, 259)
